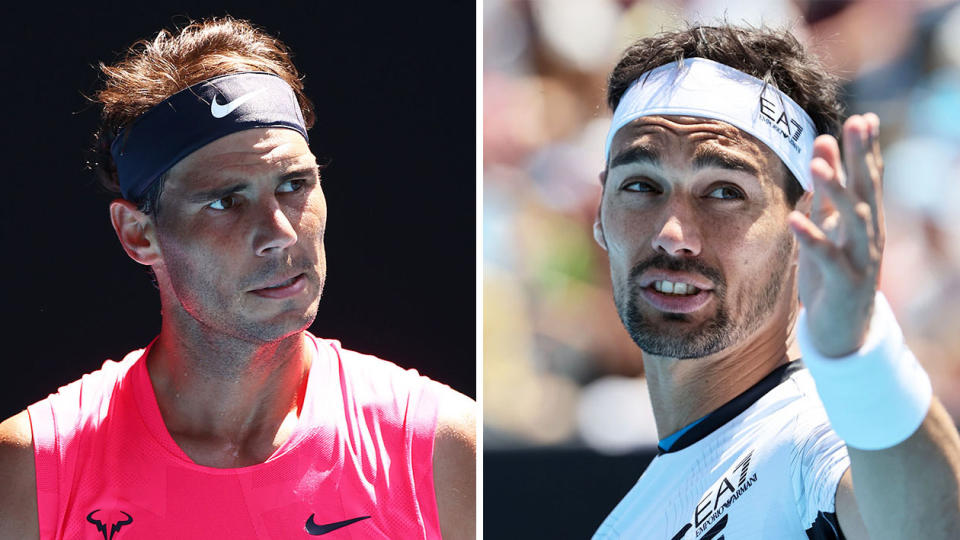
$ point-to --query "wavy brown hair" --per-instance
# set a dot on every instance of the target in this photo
(154, 69)
(773, 56)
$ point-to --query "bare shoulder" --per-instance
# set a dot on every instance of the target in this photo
(457, 419)
(454, 465)
(18, 492)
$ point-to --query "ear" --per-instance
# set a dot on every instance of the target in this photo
(597, 224)
(598, 233)
(136, 232)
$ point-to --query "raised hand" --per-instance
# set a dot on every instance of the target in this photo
(841, 243)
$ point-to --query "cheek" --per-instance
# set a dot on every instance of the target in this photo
(737, 243)
(624, 231)
(764, 255)
(313, 218)
(195, 261)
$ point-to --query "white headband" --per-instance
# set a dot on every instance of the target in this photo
(705, 88)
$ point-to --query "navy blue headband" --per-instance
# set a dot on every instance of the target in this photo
(195, 116)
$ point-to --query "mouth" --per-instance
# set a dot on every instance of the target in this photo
(677, 288)
(675, 293)
(283, 289)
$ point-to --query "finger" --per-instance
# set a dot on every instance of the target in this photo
(875, 163)
(855, 218)
(826, 181)
(827, 148)
(861, 232)
(859, 223)
(821, 207)
(857, 146)
(824, 165)
(874, 139)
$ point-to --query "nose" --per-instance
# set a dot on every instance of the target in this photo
(274, 232)
(679, 235)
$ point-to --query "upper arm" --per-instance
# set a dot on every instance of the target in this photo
(454, 465)
(18, 487)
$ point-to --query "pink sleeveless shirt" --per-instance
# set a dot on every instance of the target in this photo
(358, 465)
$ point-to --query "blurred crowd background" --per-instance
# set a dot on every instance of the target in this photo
(559, 369)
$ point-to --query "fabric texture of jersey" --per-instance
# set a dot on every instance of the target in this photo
(765, 465)
(107, 468)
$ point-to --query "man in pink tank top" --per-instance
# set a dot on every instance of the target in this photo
(235, 422)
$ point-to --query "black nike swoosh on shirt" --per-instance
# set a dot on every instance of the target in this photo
(316, 530)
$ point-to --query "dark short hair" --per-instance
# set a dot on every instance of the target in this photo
(155, 69)
(773, 56)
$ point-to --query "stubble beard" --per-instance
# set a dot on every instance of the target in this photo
(663, 334)
(192, 296)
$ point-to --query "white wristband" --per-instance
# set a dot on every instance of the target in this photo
(879, 395)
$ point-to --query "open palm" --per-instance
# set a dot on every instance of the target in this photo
(841, 242)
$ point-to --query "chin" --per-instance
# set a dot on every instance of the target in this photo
(277, 327)
(270, 333)
(677, 335)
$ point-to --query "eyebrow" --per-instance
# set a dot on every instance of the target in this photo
(709, 157)
(703, 158)
(221, 192)
(636, 155)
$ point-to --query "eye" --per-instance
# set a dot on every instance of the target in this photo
(726, 193)
(291, 186)
(225, 203)
(640, 186)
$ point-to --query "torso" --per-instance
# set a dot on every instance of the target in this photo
(110, 464)
(765, 465)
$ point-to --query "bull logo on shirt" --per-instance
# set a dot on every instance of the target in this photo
(115, 526)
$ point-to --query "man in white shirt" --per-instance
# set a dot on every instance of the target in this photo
(720, 205)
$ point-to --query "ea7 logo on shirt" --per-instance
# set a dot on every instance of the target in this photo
(105, 518)
(709, 517)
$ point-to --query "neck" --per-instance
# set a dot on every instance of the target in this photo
(227, 401)
(682, 391)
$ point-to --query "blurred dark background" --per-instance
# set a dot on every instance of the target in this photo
(555, 492)
(394, 88)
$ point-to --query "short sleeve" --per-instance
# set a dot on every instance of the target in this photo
(819, 461)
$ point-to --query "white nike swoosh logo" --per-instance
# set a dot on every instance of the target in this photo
(219, 111)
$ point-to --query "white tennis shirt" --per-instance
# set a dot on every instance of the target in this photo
(763, 466)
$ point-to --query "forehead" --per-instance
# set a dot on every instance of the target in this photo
(248, 153)
(682, 138)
